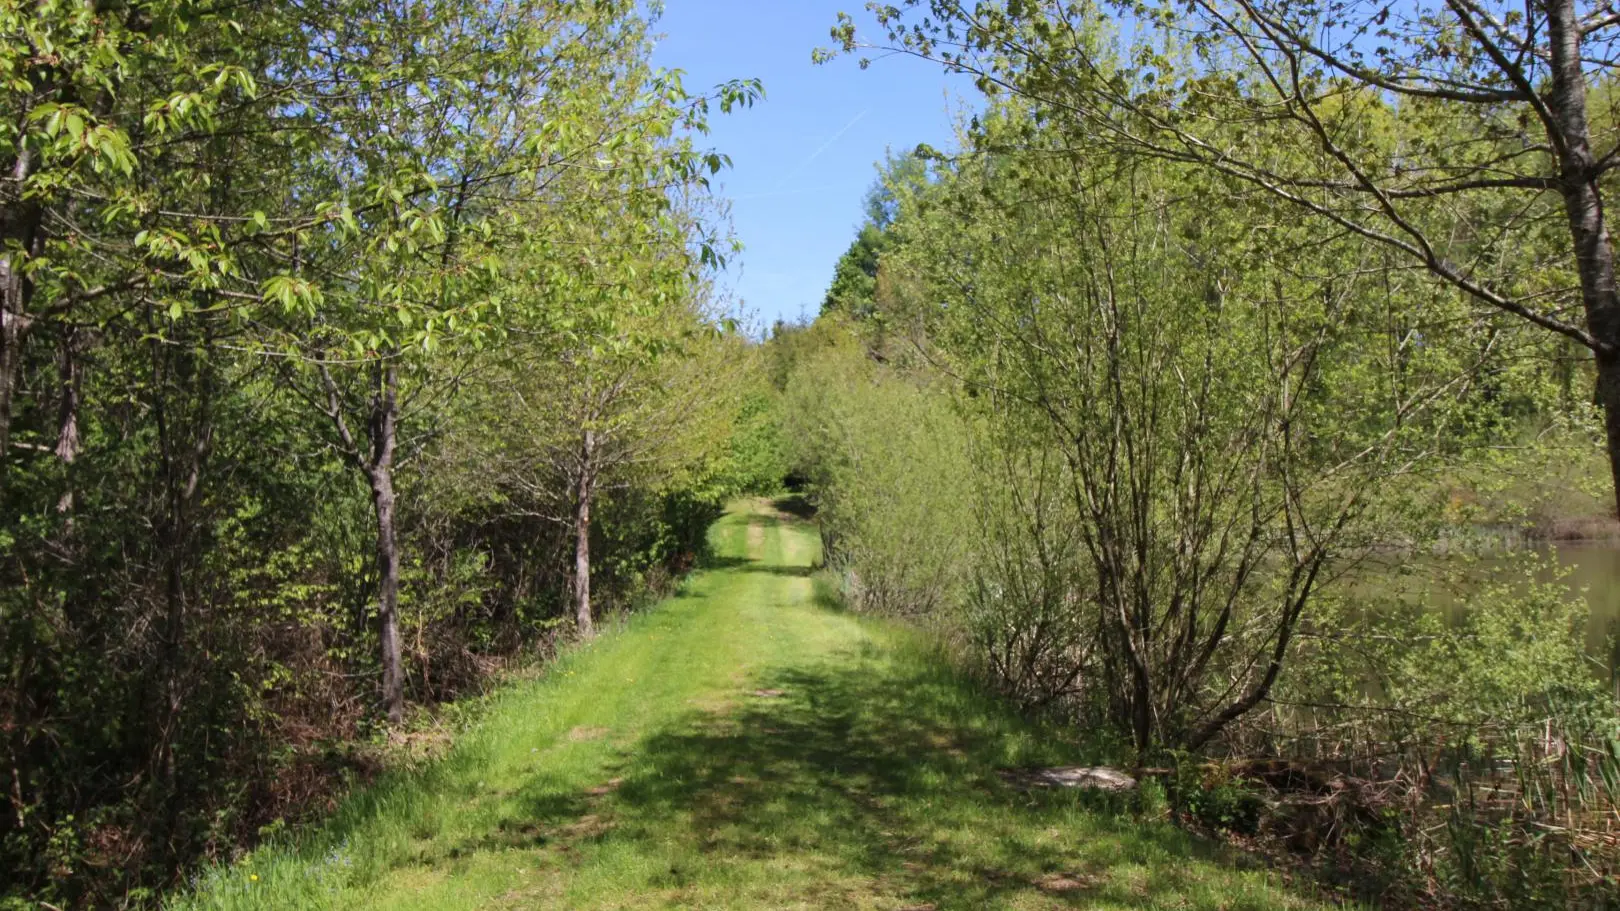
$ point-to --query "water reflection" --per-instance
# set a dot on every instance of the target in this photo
(1596, 569)
(1588, 569)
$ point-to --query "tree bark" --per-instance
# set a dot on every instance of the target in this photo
(69, 375)
(376, 462)
(1141, 712)
(582, 536)
(13, 331)
(185, 442)
(19, 238)
(393, 683)
(384, 428)
(1583, 204)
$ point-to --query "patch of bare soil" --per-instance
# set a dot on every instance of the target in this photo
(1057, 883)
(1096, 778)
(587, 826)
(604, 789)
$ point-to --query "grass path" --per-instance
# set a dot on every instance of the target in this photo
(739, 747)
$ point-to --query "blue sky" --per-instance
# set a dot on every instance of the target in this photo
(805, 156)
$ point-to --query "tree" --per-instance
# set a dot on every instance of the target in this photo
(854, 285)
(84, 119)
(256, 263)
(1454, 133)
(464, 158)
(636, 391)
(883, 452)
(1191, 425)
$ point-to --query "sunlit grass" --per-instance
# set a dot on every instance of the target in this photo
(741, 747)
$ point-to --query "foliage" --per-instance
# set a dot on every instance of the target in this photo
(886, 459)
(1470, 141)
(854, 288)
(1221, 428)
(1202, 436)
(757, 461)
(1492, 709)
(854, 284)
(264, 269)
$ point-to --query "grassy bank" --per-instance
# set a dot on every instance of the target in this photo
(741, 747)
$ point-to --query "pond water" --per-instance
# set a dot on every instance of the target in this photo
(1595, 568)
(1591, 570)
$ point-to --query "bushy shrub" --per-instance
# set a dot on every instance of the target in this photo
(887, 458)
(1028, 610)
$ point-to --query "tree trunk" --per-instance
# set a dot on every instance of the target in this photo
(393, 682)
(67, 420)
(1583, 205)
(19, 238)
(185, 442)
(13, 331)
(582, 537)
(376, 462)
(1608, 385)
(1142, 711)
(380, 471)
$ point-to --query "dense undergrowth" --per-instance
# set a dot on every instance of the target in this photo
(277, 716)
(1224, 508)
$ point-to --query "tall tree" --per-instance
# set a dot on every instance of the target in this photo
(854, 286)
(633, 385)
(84, 88)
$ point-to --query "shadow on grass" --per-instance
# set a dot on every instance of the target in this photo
(791, 512)
(866, 780)
(795, 504)
(745, 565)
(882, 781)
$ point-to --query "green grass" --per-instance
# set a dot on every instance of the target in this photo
(647, 771)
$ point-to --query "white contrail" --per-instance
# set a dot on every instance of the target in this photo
(824, 147)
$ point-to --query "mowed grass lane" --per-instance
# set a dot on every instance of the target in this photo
(740, 746)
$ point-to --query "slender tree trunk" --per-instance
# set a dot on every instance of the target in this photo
(1608, 386)
(385, 412)
(185, 442)
(67, 419)
(1142, 711)
(393, 684)
(13, 332)
(19, 238)
(376, 462)
(582, 536)
(1583, 204)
